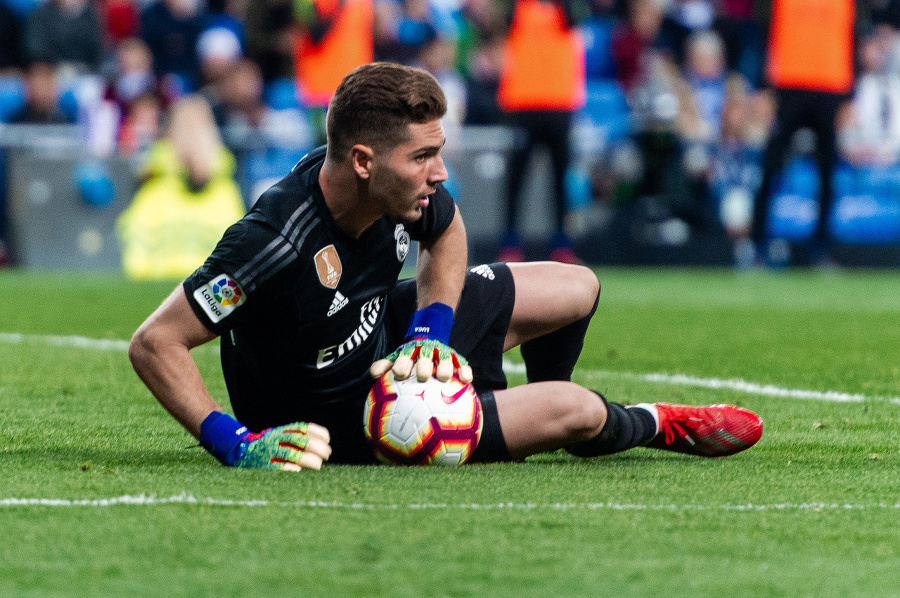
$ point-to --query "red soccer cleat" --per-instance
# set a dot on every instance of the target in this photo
(707, 431)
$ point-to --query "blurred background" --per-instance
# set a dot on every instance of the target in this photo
(610, 132)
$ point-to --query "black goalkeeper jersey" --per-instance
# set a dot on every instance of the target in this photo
(299, 304)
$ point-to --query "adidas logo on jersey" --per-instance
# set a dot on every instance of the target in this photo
(483, 270)
(337, 303)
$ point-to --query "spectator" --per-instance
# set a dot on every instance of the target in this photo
(227, 14)
(542, 84)
(247, 121)
(737, 163)
(741, 30)
(134, 76)
(11, 28)
(65, 33)
(438, 58)
(870, 132)
(186, 201)
(671, 144)
(171, 29)
(406, 28)
(682, 19)
(479, 56)
(242, 100)
(334, 37)
(264, 139)
(121, 20)
(140, 124)
(706, 75)
(135, 97)
(635, 40)
(810, 66)
(269, 29)
(41, 97)
(218, 51)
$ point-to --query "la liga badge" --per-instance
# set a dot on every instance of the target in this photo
(219, 297)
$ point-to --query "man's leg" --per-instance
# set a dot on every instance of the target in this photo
(553, 307)
(791, 114)
(546, 416)
(543, 302)
(826, 155)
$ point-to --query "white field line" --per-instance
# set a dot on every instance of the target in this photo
(733, 384)
(74, 342)
(77, 342)
(189, 499)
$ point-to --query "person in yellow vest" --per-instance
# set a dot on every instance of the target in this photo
(332, 38)
(810, 67)
(187, 199)
(542, 84)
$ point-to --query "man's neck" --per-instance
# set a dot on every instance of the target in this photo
(345, 196)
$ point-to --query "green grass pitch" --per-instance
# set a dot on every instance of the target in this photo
(102, 494)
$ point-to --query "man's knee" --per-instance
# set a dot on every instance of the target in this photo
(584, 414)
(588, 290)
(582, 289)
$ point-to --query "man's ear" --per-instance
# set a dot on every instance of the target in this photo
(361, 159)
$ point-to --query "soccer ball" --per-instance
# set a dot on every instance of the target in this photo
(408, 422)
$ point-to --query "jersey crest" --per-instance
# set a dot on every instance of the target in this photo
(402, 242)
(328, 266)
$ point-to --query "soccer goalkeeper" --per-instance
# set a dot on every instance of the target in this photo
(303, 292)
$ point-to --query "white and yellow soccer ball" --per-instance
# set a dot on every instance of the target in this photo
(408, 422)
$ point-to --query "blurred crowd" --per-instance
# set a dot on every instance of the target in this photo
(677, 101)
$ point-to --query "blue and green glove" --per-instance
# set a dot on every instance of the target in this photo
(425, 349)
(292, 447)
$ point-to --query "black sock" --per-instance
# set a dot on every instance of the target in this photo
(553, 356)
(624, 429)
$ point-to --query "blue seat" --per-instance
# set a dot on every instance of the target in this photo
(596, 34)
(606, 108)
(794, 209)
(260, 168)
(867, 208)
(282, 94)
(12, 96)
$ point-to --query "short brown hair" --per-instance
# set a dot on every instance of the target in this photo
(376, 102)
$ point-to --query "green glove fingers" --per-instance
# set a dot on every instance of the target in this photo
(428, 357)
(293, 446)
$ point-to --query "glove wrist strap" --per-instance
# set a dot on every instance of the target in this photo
(432, 322)
(221, 435)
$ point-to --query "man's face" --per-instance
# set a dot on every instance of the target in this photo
(402, 180)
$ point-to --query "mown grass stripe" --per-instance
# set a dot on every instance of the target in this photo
(189, 499)
(732, 384)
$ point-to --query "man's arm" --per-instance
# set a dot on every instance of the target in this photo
(441, 266)
(440, 277)
(160, 354)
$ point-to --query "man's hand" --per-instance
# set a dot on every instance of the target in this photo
(428, 357)
(426, 349)
(291, 447)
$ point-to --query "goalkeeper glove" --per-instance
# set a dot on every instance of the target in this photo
(292, 447)
(426, 349)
